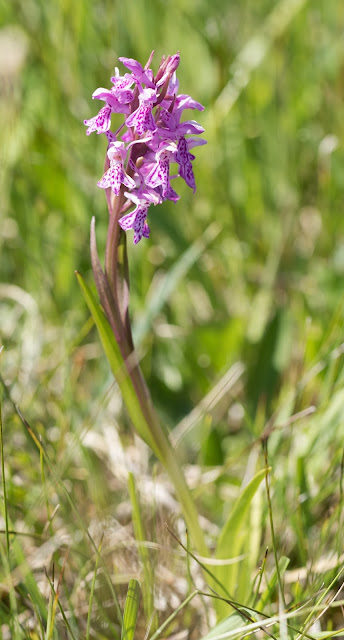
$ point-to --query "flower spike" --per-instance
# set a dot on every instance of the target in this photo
(152, 139)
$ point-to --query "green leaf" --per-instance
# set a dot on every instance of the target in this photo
(231, 529)
(131, 609)
(252, 547)
(232, 536)
(153, 433)
(212, 450)
(117, 365)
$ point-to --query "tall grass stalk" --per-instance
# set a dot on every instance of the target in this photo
(4, 486)
(272, 529)
(67, 495)
(93, 584)
(13, 620)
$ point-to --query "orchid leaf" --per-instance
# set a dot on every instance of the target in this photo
(152, 433)
(117, 365)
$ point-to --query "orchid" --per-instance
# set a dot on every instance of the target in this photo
(147, 140)
(151, 137)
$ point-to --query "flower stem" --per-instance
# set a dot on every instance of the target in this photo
(113, 289)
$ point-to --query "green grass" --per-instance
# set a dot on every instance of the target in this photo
(244, 276)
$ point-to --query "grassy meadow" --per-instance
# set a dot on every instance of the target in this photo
(237, 306)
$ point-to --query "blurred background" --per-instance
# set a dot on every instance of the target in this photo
(241, 282)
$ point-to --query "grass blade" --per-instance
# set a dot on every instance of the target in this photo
(131, 609)
(140, 535)
(4, 487)
(88, 626)
(230, 539)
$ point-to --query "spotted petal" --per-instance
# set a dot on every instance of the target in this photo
(100, 123)
(136, 220)
(114, 177)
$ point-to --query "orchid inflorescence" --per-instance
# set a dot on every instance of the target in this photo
(154, 138)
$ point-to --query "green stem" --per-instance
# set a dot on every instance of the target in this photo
(115, 295)
(4, 487)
